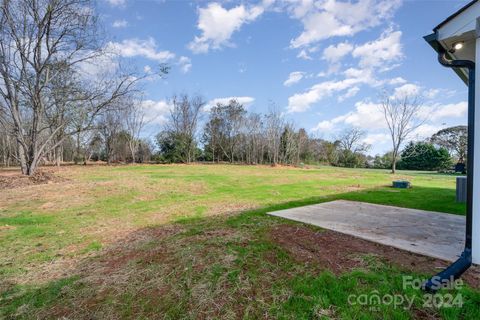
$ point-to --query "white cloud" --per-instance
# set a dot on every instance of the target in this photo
(98, 66)
(381, 52)
(293, 78)
(445, 111)
(335, 53)
(330, 18)
(320, 26)
(141, 48)
(425, 131)
(218, 24)
(353, 72)
(304, 55)
(245, 101)
(148, 49)
(156, 112)
(325, 125)
(407, 90)
(301, 102)
(376, 138)
(333, 69)
(117, 3)
(185, 64)
(367, 115)
(412, 90)
(453, 110)
(397, 80)
(350, 93)
(431, 93)
(120, 24)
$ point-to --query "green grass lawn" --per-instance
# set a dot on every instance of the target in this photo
(189, 242)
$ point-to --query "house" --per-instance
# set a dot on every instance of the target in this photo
(457, 43)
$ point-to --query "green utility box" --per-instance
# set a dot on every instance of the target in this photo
(403, 184)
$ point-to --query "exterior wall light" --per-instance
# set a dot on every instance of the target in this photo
(456, 46)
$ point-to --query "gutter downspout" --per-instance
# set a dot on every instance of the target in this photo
(456, 269)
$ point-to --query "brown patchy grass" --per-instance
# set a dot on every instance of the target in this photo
(184, 241)
(65, 188)
(340, 253)
(12, 179)
(148, 263)
(166, 265)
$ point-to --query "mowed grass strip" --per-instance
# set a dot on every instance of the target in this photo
(176, 241)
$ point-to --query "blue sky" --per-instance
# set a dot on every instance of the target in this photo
(323, 63)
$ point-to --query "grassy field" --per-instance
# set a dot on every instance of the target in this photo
(193, 241)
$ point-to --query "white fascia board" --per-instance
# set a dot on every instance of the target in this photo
(465, 22)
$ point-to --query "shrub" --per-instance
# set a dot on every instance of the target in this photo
(424, 156)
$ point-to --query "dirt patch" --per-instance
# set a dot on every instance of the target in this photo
(356, 187)
(231, 208)
(341, 253)
(120, 246)
(425, 314)
(7, 227)
(17, 180)
(113, 260)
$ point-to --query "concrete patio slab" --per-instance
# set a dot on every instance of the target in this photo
(434, 234)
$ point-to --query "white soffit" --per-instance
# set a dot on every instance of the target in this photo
(460, 25)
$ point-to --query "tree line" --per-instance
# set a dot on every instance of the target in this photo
(232, 134)
(229, 133)
(58, 102)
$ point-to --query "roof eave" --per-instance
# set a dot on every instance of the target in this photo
(432, 40)
(451, 17)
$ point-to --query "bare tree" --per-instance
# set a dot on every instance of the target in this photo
(225, 132)
(288, 144)
(110, 126)
(351, 147)
(302, 142)
(134, 121)
(351, 140)
(402, 116)
(42, 44)
(454, 139)
(273, 131)
(234, 121)
(6, 144)
(182, 125)
(91, 142)
(211, 135)
(254, 144)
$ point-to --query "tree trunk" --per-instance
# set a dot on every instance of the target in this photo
(77, 149)
(58, 155)
(109, 151)
(32, 168)
(23, 159)
(10, 151)
(132, 150)
(394, 163)
(5, 150)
